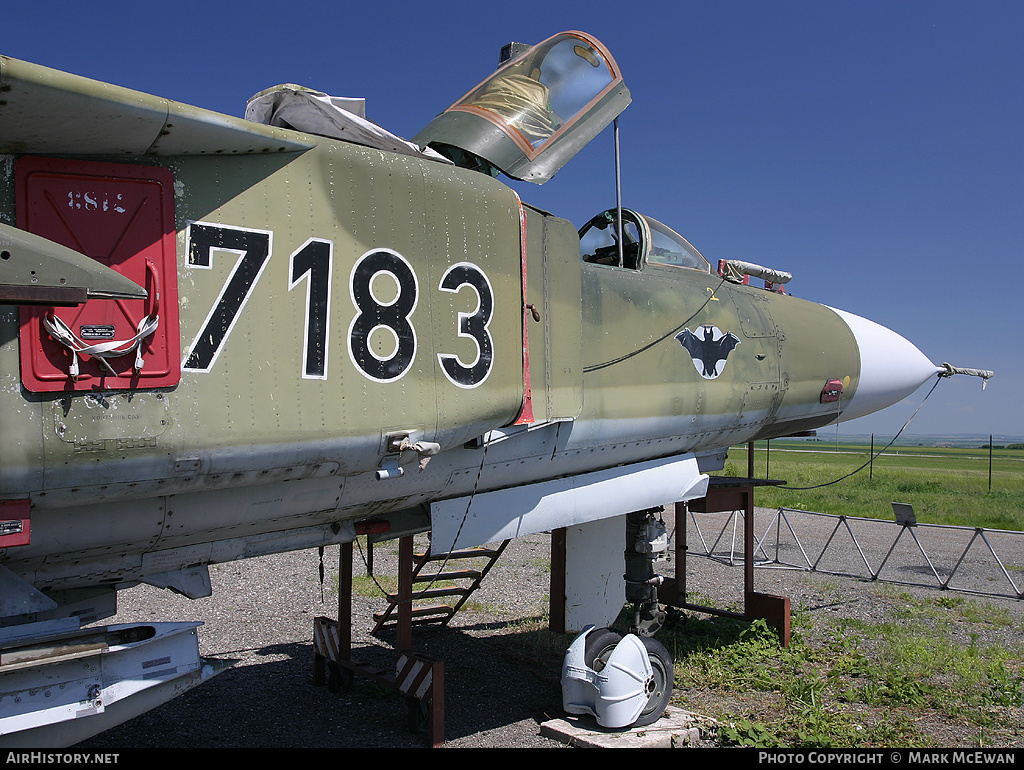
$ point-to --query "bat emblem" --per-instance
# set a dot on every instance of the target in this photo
(709, 348)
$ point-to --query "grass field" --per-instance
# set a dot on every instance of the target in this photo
(945, 485)
(909, 681)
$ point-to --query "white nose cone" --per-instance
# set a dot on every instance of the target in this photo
(891, 367)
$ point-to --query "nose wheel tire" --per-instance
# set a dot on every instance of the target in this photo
(599, 647)
(659, 690)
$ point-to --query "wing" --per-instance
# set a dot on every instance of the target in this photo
(48, 112)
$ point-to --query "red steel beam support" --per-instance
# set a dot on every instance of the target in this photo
(727, 495)
(418, 678)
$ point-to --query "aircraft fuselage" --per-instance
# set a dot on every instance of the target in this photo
(312, 305)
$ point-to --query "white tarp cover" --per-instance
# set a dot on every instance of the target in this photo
(734, 270)
(336, 117)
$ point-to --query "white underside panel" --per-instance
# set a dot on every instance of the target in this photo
(507, 513)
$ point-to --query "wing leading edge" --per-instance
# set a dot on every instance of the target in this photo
(49, 112)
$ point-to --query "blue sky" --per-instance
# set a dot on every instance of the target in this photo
(872, 148)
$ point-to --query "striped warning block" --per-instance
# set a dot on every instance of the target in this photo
(325, 638)
(415, 675)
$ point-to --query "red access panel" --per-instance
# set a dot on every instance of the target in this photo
(15, 523)
(121, 215)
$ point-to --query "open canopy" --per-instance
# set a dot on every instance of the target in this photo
(535, 112)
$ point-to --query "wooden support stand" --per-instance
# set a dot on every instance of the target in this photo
(418, 678)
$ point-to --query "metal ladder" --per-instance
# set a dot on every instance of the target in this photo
(466, 582)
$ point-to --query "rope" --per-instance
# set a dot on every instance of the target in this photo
(938, 379)
(665, 336)
(101, 351)
(469, 505)
(444, 564)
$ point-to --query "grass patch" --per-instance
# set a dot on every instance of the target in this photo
(945, 485)
(850, 683)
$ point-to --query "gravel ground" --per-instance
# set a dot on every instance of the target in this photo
(499, 686)
(261, 613)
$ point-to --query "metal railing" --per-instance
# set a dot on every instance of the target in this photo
(944, 557)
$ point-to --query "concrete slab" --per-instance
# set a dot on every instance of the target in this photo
(676, 729)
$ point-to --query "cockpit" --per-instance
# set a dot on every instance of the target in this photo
(644, 241)
(543, 105)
